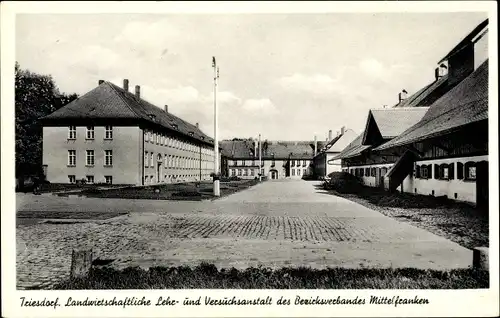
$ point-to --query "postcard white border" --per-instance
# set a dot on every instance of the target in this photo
(456, 303)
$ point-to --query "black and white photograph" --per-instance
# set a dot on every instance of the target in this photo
(274, 151)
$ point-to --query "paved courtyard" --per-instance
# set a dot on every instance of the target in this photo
(276, 223)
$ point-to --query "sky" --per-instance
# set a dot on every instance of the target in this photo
(285, 76)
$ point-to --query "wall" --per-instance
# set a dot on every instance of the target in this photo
(281, 167)
(481, 50)
(371, 180)
(126, 154)
(299, 168)
(465, 189)
(177, 163)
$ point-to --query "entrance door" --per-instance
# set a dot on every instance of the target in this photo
(482, 189)
(158, 172)
(274, 174)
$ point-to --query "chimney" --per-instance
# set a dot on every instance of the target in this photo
(315, 145)
(342, 130)
(100, 82)
(330, 135)
(437, 73)
(137, 91)
(125, 85)
(197, 125)
(165, 108)
(402, 95)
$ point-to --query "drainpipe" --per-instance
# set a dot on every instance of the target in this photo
(142, 160)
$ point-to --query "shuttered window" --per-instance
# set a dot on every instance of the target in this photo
(436, 171)
(451, 171)
(460, 170)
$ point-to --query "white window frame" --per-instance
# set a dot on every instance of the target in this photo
(88, 177)
(90, 133)
(72, 155)
(110, 179)
(72, 178)
(89, 154)
(108, 132)
(152, 159)
(72, 132)
(146, 159)
(108, 158)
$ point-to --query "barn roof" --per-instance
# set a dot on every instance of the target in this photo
(466, 103)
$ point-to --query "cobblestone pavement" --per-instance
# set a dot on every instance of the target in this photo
(283, 223)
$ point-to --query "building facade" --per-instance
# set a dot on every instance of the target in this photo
(445, 151)
(110, 135)
(324, 161)
(279, 159)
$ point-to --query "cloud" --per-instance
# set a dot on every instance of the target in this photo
(259, 105)
(372, 67)
(316, 83)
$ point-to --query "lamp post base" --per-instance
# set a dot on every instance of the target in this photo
(217, 188)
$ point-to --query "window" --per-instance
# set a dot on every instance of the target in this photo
(243, 163)
(72, 158)
(252, 172)
(293, 172)
(293, 163)
(108, 133)
(305, 171)
(72, 178)
(157, 139)
(151, 180)
(90, 179)
(240, 172)
(367, 172)
(304, 163)
(162, 140)
(109, 179)
(146, 136)
(151, 159)
(424, 173)
(72, 132)
(444, 173)
(108, 157)
(470, 171)
(146, 159)
(90, 158)
(298, 172)
(233, 172)
(90, 132)
(245, 172)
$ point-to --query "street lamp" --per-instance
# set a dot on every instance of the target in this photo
(216, 142)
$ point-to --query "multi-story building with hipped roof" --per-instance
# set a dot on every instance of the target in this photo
(110, 135)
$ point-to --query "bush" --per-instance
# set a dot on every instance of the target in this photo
(343, 182)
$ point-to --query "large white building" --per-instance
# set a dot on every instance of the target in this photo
(110, 135)
(280, 159)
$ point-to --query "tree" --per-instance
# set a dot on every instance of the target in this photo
(35, 96)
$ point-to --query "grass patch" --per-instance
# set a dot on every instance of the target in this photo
(67, 215)
(207, 276)
(191, 191)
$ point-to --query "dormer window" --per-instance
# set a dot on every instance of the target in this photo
(152, 117)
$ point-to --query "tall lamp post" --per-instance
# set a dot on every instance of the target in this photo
(260, 160)
(216, 142)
